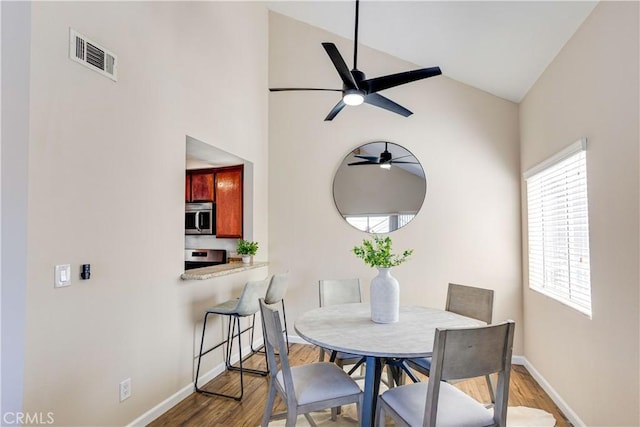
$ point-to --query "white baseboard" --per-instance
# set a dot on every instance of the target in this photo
(184, 392)
(517, 360)
(573, 418)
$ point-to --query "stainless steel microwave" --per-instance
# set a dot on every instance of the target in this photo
(200, 218)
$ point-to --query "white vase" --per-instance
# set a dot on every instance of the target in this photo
(246, 259)
(385, 297)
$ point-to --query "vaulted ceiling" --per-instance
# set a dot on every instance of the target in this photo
(501, 47)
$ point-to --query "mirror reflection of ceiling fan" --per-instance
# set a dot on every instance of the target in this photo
(384, 160)
(356, 89)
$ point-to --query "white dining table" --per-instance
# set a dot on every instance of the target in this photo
(348, 328)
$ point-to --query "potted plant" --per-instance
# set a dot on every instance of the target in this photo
(247, 249)
(384, 290)
(377, 253)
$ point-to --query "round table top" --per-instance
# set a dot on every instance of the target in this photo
(349, 328)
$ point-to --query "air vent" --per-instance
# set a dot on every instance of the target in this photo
(92, 55)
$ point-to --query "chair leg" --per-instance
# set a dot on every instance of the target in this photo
(391, 377)
(491, 388)
(380, 415)
(230, 330)
(268, 410)
(234, 322)
(286, 331)
(291, 417)
(204, 326)
(259, 349)
(310, 420)
(240, 368)
(229, 341)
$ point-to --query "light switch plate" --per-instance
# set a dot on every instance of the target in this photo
(62, 276)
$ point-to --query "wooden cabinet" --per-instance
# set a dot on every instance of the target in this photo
(200, 186)
(229, 195)
(224, 186)
(187, 187)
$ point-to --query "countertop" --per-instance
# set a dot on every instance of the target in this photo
(205, 273)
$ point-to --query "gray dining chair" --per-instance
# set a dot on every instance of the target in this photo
(468, 301)
(458, 353)
(306, 388)
(244, 306)
(340, 291)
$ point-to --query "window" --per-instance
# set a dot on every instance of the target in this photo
(558, 219)
(379, 223)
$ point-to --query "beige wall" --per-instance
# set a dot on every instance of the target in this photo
(106, 185)
(468, 230)
(591, 90)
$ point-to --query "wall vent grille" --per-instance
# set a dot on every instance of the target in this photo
(92, 55)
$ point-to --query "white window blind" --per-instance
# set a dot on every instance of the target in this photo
(558, 219)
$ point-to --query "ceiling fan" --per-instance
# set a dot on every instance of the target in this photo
(356, 89)
(384, 160)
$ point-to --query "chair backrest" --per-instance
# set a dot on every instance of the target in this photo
(248, 301)
(342, 291)
(274, 343)
(470, 302)
(277, 288)
(460, 353)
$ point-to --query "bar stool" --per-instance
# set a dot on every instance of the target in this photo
(246, 305)
(275, 294)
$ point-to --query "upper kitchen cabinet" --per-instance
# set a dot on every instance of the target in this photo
(229, 194)
(187, 187)
(199, 186)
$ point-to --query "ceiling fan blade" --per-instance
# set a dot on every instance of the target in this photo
(385, 82)
(382, 102)
(283, 89)
(365, 162)
(370, 158)
(335, 110)
(408, 163)
(340, 65)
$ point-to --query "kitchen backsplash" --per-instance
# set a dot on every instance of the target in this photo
(210, 242)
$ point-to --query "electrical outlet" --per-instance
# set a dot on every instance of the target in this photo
(125, 389)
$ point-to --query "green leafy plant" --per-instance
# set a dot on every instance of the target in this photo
(377, 252)
(246, 247)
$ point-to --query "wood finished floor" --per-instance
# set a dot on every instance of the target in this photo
(201, 410)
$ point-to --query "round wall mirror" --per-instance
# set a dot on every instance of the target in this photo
(379, 187)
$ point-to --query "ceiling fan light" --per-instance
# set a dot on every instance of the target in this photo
(386, 166)
(353, 98)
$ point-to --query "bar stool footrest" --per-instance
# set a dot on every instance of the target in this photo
(213, 393)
